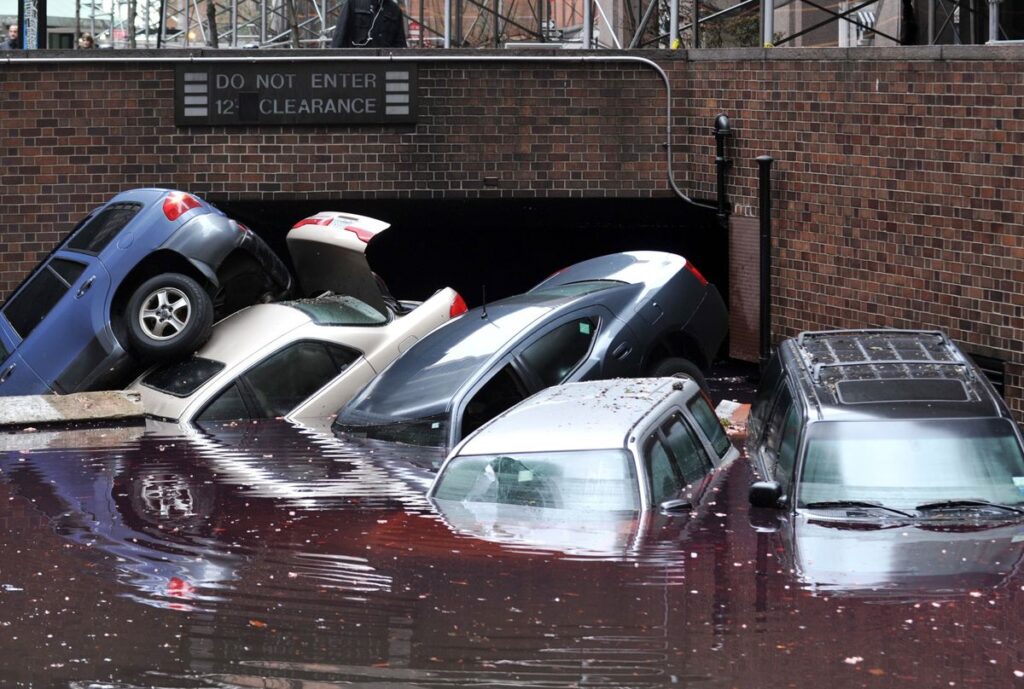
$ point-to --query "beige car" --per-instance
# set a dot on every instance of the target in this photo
(300, 359)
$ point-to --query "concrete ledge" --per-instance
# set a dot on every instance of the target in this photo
(68, 409)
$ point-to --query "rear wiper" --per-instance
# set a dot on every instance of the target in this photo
(855, 503)
(967, 502)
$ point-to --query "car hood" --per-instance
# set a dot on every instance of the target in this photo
(328, 252)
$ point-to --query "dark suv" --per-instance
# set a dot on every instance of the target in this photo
(878, 424)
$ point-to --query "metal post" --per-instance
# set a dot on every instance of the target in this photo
(263, 22)
(673, 25)
(764, 164)
(497, 23)
(931, 22)
(186, 23)
(993, 20)
(447, 24)
(768, 13)
(234, 23)
(722, 132)
(696, 23)
(588, 24)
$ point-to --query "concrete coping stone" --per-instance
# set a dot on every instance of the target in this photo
(70, 409)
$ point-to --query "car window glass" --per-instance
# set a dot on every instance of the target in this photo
(689, 454)
(31, 305)
(665, 481)
(553, 357)
(227, 405)
(103, 227)
(336, 309)
(773, 433)
(343, 356)
(70, 271)
(182, 378)
(498, 394)
(576, 289)
(788, 447)
(708, 421)
(765, 394)
(280, 382)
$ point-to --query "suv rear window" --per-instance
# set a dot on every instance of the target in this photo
(103, 227)
(182, 378)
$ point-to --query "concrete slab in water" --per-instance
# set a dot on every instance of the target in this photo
(79, 406)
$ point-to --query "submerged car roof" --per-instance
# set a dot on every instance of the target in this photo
(895, 374)
(422, 382)
(591, 415)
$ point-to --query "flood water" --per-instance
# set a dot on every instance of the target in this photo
(264, 555)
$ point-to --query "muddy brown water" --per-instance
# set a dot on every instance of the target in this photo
(264, 555)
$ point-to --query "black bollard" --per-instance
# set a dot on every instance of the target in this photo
(764, 164)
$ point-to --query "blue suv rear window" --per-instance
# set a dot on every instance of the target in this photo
(103, 227)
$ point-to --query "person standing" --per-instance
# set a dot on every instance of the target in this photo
(11, 42)
(369, 24)
(85, 41)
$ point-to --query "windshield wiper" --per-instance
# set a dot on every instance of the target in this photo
(967, 502)
(856, 503)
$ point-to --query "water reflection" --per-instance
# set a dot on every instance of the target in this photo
(269, 555)
(912, 559)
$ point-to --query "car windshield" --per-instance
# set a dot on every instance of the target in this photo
(582, 480)
(907, 464)
(419, 386)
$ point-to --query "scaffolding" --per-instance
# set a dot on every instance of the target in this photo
(613, 24)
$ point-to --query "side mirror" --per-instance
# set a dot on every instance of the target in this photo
(675, 506)
(765, 494)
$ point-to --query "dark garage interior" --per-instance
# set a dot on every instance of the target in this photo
(505, 246)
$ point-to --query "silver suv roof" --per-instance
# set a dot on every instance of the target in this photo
(591, 415)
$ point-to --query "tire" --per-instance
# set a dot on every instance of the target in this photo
(678, 366)
(241, 285)
(168, 317)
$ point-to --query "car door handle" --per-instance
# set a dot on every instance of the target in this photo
(7, 374)
(622, 351)
(85, 287)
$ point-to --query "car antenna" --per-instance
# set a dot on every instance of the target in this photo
(483, 300)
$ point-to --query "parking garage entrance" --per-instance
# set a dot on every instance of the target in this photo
(501, 247)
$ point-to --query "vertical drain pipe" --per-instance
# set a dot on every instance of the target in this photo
(764, 164)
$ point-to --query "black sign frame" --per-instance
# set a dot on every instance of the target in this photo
(295, 93)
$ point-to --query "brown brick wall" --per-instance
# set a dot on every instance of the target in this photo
(898, 188)
(898, 194)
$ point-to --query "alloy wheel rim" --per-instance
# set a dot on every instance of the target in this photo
(165, 313)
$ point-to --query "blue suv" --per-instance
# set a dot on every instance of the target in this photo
(139, 279)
